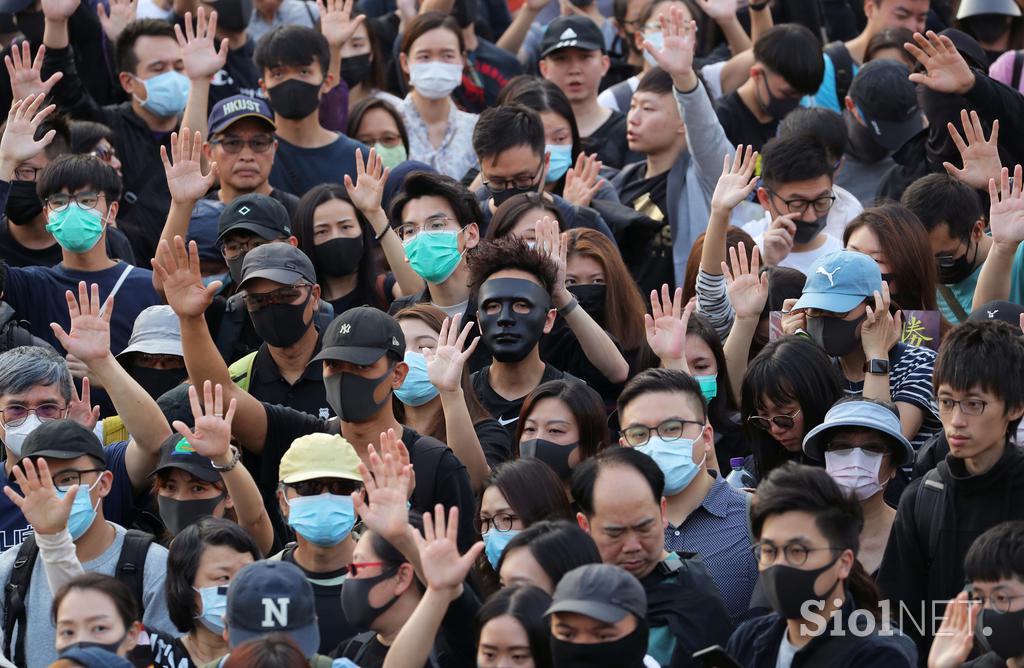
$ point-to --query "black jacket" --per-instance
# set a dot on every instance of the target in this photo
(992, 99)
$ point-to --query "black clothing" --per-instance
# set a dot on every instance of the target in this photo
(653, 267)
(609, 142)
(334, 626)
(489, 70)
(506, 411)
(16, 255)
(740, 124)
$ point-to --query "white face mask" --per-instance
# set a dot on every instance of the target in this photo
(14, 437)
(856, 471)
(435, 80)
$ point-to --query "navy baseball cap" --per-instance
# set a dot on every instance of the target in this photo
(1008, 312)
(237, 107)
(257, 213)
(839, 281)
(272, 597)
(859, 414)
(887, 100)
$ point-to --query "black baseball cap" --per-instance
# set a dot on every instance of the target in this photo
(272, 597)
(362, 335)
(571, 32)
(281, 263)
(237, 107)
(62, 439)
(1008, 312)
(888, 102)
(602, 591)
(177, 453)
(257, 213)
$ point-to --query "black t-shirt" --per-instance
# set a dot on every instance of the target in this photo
(159, 650)
(609, 142)
(740, 124)
(334, 626)
(506, 411)
(239, 76)
(118, 248)
(561, 349)
(297, 169)
(494, 440)
(649, 196)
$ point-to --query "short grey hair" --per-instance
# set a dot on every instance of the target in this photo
(24, 367)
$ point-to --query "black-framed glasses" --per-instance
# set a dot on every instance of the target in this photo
(84, 199)
(669, 430)
(947, 260)
(997, 601)
(795, 554)
(436, 223)
(289, 294)
(15, 414)
(799, 205)
(337, 487)
(67, 479)
(972, 407)
(26, 173)
(501, 522)
(501, 185)
(258, 143)
(780, 421)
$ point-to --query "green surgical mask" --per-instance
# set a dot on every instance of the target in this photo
(708, 386)
(75, 228)
(391, 156)
(434, 255)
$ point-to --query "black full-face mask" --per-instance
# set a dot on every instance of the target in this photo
(987, 28)
(509, 333)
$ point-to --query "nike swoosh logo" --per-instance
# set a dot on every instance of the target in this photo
(505, 423)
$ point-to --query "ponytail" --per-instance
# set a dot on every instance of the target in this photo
(862, 587)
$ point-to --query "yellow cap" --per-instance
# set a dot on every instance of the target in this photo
(319, 456)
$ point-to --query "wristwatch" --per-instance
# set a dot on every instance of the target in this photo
(758, 6)
(877, 366)
(236, 455)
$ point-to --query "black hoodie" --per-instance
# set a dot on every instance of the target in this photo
(973, 504)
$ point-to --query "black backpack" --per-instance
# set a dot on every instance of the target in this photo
(842, 61)
(130, 570)
(1018, 65)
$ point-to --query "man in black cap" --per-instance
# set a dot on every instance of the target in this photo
(989, 22)
(75, 461)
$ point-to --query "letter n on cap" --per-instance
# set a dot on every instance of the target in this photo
(275, 613)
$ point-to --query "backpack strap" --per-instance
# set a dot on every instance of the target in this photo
(426, 459)
(15, 598)
(929, 509)
(953, 303)
(241, 371)
(843, 64)
(231, 324)
(363, 639)
(1018, 65)
(131, 565)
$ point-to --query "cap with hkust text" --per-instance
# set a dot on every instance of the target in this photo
(362, 335)
(272, 597)
(839, 281)
(604, 592)
(237, 107)
(257, 213)
(571, 32)
(887, 101)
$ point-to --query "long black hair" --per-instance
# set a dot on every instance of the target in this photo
(526, 604)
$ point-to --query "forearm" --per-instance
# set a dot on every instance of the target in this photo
(443, 6)
(249, 509)
(735, 36)
(55, 34)
(760, 22)
(736, 70)
(60, 560)
(415, 641)
(513, 38)
(179, 215)
(737, 350)
(911, 419)
(996, 273)
(409, 282)
(195, 115)
(712, 254)
(334, 65)
(600, 350)
(713, 302)
(876, 385)
(462, 439)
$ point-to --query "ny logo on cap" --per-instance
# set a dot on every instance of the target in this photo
(275, 613)
(394, 341)
(244, 210)
(829, 274)
(345, 329)
(569, 33)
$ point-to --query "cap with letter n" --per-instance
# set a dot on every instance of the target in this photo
(362, 335)
(571, 32)
(272, 597)
(839, 281)
(601, 591)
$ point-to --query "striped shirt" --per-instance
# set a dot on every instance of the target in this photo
(713, 302)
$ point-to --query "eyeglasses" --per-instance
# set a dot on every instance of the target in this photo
(316, 487)
(232, 249)
(15, 414)
(105, 153)
(501, 522)
(780, 421)
(386, 139)
(799, 205)
(947, 260)
(258, 143)
(972, 407)
(84, 199)
(794, 553)
(522, 182)
(436, 223)
(997, 601)
(65, 480)
(27, 173)
(289, 294)
(669, 430)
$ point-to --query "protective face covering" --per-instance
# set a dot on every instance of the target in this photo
(158, 381)
(416, 389)
(233, 15)
(339, 256)
(805, 232)
(960, 269)
(856, 471)
(657, 42)
(355, 69)
(166, 94)
(495, 543)
(987, 28)
(355, 600)
(435, 80)
(391, 156)
(281, 325)
(591, 297)
(215, 606)
(554, 455)
(561, 161)
(23, 204)
(111, 647)
(324, 519)
(1005, 638)
(235, 268)
(294, 99)
(83, 513)
(178, 514)
(505, 195)
(626, 652)
(776, 107)
(351, 396)
(863, 146)
(76, 229)
(835, 335)
(509, 335)
(15, 436)
(787, 588)
(434, 255)
(708, 386)
(675, 459)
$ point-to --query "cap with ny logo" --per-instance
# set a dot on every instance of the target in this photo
(362, 335)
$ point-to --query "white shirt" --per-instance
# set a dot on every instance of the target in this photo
(801, 261)
(787, 651)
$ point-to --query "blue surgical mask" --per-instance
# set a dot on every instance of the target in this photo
(657, 41)
(675, 459)
(166, 94)
(495, 543)
(708, 386)
(561, 161)
(434, 255)
(83, 513)
(215, 606)
(416, 389)
(75, 228)
(324, 519)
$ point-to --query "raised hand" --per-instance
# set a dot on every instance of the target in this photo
(583, 181)
(443, 568)
(89, 339)
(551, 243)
(719, 10)
(388, 484)
(370, 179)
(58, 10)
(337, 24)
(199, 51)
(79, 409)
(979, 155)
(666, 326)
(177, 269)
(122, 12)
(1006, 217)
(211, 436)
(746, 286)
(737, 181)
(793, 321)
(185, 178)
(955, 638)
(38, 501)
(778, 239)
(26, 74)
(446, 362)
(18, 143)
(946, 71)
(676, 56)
(881, 330)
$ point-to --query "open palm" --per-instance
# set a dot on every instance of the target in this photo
(368, 189)
(445, 364)
(211, 436)
(1006, 217)
(18, 143)
(42, 508)
(199, 51)
(980, 156)
(676, 56)
(747, 287)
(737, 180)
(955, 638)
(666, 324)
(946, 71)
(185, 178)
(122, 12)
(443, 568)
(177, 270)
(337, 24)
(26, 73)
(58, 10)
(89, 339)
(387, 483)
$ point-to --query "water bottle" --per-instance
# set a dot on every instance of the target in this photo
(739, 478)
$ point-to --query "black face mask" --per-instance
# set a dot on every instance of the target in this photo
(805, 232)
(510, 335)
(31, 25)
(987, 28)
(863, 146)
(179, 514)
(294, 99)
(960, 268)
(235, 268)
(591, 297)
(355, 600)
(339, 256)
(110, 646)
(835, 335)
(156, 382)
(355, 69)
(554, 455)
(788, 588)
(351, 396)
(23, 204)
(503, 196)
(281, 325)
(233, 15)
(776, 107)
(626, 652)
(1005, 638)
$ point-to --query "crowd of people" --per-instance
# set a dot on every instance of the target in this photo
(512, 333)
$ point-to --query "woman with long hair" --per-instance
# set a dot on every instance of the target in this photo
(545, 551)
(362, 67)
(705, 358)
(377, 123)
(518, 215)
(96, 610)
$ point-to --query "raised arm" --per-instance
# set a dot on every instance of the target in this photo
(666, 327)
(18, 142)
(117, 18)
(723, 12)
(748, 292)
(879, 333)
(1006, 220)
(185, 181)
(178, 270)
(514, 36)
(26, 74)
(337, 25)
(202, 60)
(89, 341)
(980, 156)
